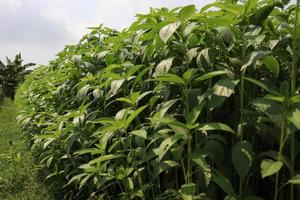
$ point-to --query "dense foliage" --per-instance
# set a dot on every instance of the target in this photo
(184, 104)
(12, 74)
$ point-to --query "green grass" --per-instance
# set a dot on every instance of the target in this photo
(17, 176)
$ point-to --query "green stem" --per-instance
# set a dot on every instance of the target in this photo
(242, 110)
(281, 145)
(189, 172)
(293, 90)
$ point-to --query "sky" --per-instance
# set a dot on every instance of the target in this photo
(39, 29)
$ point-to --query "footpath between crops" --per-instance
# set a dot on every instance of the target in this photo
(18, 179)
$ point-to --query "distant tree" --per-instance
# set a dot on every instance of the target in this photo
(12, 74)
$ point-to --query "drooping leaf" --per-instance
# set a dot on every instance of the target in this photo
(114, 88)
(167, 31)
(82, 92)
(262, 13)
(253, 58)
(225, 87)
(163, 67)
(241, 158)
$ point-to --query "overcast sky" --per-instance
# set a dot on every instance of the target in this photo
(40, 28)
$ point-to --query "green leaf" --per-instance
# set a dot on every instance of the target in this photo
(261, 14)
(210, 75)
(215, 127)
(172, 78)
(135, 114)
(222, 182)
(205, 58)
(253, 58)
(114, 87)
(241, 158)
(272, 64)
(261, 85)
(271, 108)
(295, 180)
(226, 34)
(294, 117)
(165, 166)
(225, 87)
(192, 116)
(106, 158)
(269, 167)
(186, 12)
(163, 67)
(189, 75)
(82, 92)
(167, 31)
(166, 145)
(188, 189)
(140, 133)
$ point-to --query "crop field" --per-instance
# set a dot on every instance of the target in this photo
(183, 104)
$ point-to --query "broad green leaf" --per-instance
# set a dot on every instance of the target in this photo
(295, 99)
(165, 106)
(269, 167)
(253, 58)
(166, 145)
(212, 126)
(241, 158)
(205, 58)
(188, 190)
(261, 85)
(135, 114)
(226, 34)
(106, 158)
(210, 75)
(186, 12)
(172, 78)
(167, 31)
(114, 87)
(222, 182)
(269, 107)
(225, 87)
(81, 94)
(262, 13)
(272, 64)
(163, 67)
(294, 117)
(165, 166)
(140, 133)
(189, 75)
(192, 116)
(295, 180)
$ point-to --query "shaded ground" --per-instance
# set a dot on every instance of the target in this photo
(17, 175)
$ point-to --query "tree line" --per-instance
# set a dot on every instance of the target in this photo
(11, 74)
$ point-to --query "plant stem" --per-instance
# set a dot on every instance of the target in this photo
(242, 108)
(189, 174)
(293, 90)
(281, 145)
